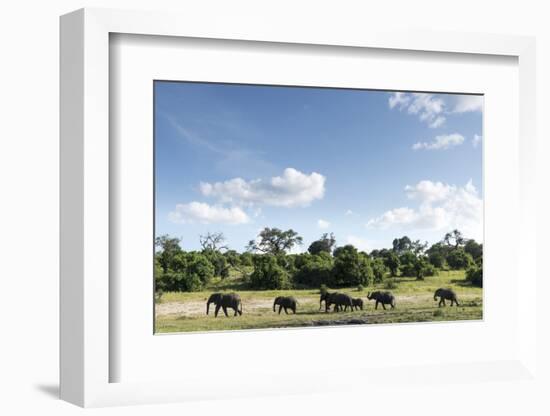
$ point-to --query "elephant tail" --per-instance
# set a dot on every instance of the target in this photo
(241, 307)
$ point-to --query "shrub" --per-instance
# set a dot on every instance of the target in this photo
(474, 275)
(192, 271)
(438, 312)
(323, 289)
(181, 282)
(360, 288)
(268, 274)
(430, 270)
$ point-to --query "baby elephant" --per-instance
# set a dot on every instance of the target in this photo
(385, 298)
(357, 304)
(447, 294)
(285, 302)
(225, 300)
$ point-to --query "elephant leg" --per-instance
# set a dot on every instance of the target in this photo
(440, 302)
(217, 310)
(286, 312)
(280, 309)
(236, 310)
(376, 306)
(456, 301)
(225, 310)
(383, 305)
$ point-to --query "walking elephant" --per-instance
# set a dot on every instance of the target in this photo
(384, 298)
(445, 294)
(357, 303)
(339, 300)
(224, 301)
(285, 302)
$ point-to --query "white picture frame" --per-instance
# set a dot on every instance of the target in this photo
(87, 355)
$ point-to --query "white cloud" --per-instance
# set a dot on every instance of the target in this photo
(476, 140)
(292, 188)
(359, 243)
(433, 109)
(442, 142)
(440, 207)
(429, 108)
(323, 224)
(468, 103)
(428, 191)
(349, 212)
(400, 99)
(207, 214)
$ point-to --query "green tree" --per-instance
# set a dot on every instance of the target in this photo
(379, 269)
(418, 248)
(246, 259)
(407, 262)
(391, 260)
(168, 248)
(324, 244)
(474, 249)
(268, 274)
(313, 270)
(459, 259)
(437, 254)
(421, 268)
(351, 268)
(402, 245)
(218, 260)
(274, 241)
(199, 267)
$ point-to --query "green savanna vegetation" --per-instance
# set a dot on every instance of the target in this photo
(411, 270)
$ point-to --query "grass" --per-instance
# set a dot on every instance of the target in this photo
(414, 304)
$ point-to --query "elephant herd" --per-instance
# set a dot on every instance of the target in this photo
(341, 301)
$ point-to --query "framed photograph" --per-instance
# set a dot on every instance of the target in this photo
(266, 198)
(286, 205)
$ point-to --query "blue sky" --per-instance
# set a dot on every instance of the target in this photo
(368, 166)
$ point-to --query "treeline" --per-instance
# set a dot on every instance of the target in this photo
(266, 263)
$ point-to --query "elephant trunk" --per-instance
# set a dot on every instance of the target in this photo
(368, 296)
(435, 296)
(274, 303)
(207, 307)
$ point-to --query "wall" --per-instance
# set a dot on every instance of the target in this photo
(29, 177)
